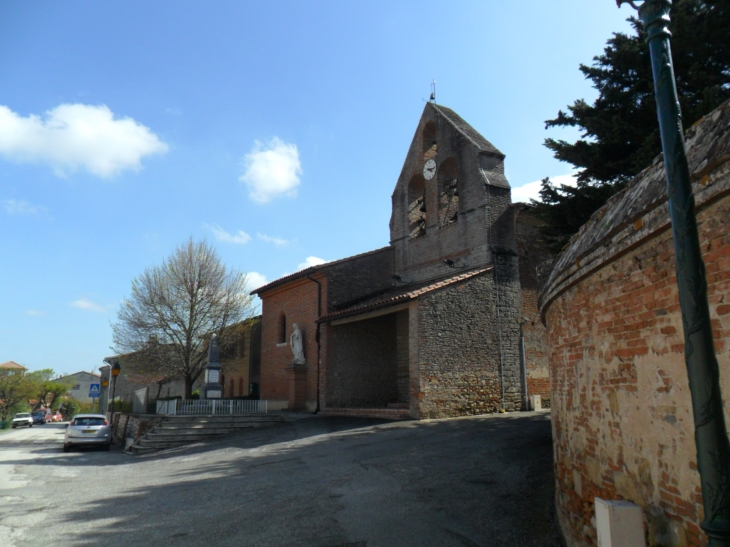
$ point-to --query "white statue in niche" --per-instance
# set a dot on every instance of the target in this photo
(297, 346)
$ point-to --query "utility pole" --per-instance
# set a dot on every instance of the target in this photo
(713, 448)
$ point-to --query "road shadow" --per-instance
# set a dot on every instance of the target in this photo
(326, 482)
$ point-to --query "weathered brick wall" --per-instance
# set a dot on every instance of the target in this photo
(237, 356)
(362, 277)
(458, 346)
(364, 371)
(298, 300)
(622, 419)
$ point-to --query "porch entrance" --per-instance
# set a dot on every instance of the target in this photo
(368, 364)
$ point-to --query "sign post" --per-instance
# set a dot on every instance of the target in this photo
(94, 392)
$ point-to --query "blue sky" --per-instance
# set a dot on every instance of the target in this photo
(276, 130)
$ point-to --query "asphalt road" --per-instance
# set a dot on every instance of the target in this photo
(323, 482)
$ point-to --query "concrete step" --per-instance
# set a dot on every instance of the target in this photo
(139, 450)
(221, 419)
(214, 425)
(181, 430)
(191, 437)
(148, 446)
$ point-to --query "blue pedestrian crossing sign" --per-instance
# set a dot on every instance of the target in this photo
(94, 390)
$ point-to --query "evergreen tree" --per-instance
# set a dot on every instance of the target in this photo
(620, 131)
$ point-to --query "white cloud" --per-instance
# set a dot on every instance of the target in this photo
(271, 170)
(278, 241)
(531, 190)
(15, 207)
(254, 280)
(73, 136)
(239, 238)
(88, 305)
(35, 312)
(311, 261)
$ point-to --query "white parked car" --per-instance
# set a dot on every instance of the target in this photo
(88, 429)
(21, 419)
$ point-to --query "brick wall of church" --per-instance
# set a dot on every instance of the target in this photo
(458, 355)
(364, 353)
(298, 301)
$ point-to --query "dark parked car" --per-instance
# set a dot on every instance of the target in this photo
(41, 417)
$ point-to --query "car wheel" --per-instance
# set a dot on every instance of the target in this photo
(107, 447)
(13, 427)
(66, 447)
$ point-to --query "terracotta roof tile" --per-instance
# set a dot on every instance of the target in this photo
(400, 294)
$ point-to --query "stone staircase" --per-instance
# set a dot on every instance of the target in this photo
(181, 430)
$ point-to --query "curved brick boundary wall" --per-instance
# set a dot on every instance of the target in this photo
(622, 420)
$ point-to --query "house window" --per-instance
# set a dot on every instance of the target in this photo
(76, 387)
(282, 328)
(240, 387)
(230, 390)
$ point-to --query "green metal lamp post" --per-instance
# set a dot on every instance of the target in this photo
(713, 448)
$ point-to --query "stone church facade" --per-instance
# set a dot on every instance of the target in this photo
(441, 322)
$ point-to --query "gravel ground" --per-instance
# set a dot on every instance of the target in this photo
(324, 482)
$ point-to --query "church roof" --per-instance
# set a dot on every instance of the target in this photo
(305, 272)
(401, 294)
(465, 129)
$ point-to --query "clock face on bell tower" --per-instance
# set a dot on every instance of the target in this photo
(429, 169)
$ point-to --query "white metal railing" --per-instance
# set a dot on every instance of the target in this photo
(208, 407)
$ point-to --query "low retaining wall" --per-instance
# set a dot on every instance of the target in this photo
(133, 426)
(622, 418)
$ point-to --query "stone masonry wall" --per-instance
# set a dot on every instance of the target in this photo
(363, 369)
(458, 346)
(622, 419)
(133, 426)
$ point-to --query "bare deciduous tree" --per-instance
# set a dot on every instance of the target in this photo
(165, 325)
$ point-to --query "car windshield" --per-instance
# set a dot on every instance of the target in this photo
(23, 415)
(89, 421)
(39, 413)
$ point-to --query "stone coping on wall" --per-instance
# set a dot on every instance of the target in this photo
(640, 211)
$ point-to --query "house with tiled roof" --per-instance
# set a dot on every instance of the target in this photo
(442, 321)
(11, 367)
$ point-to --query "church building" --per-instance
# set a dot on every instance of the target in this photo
(441, 322)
